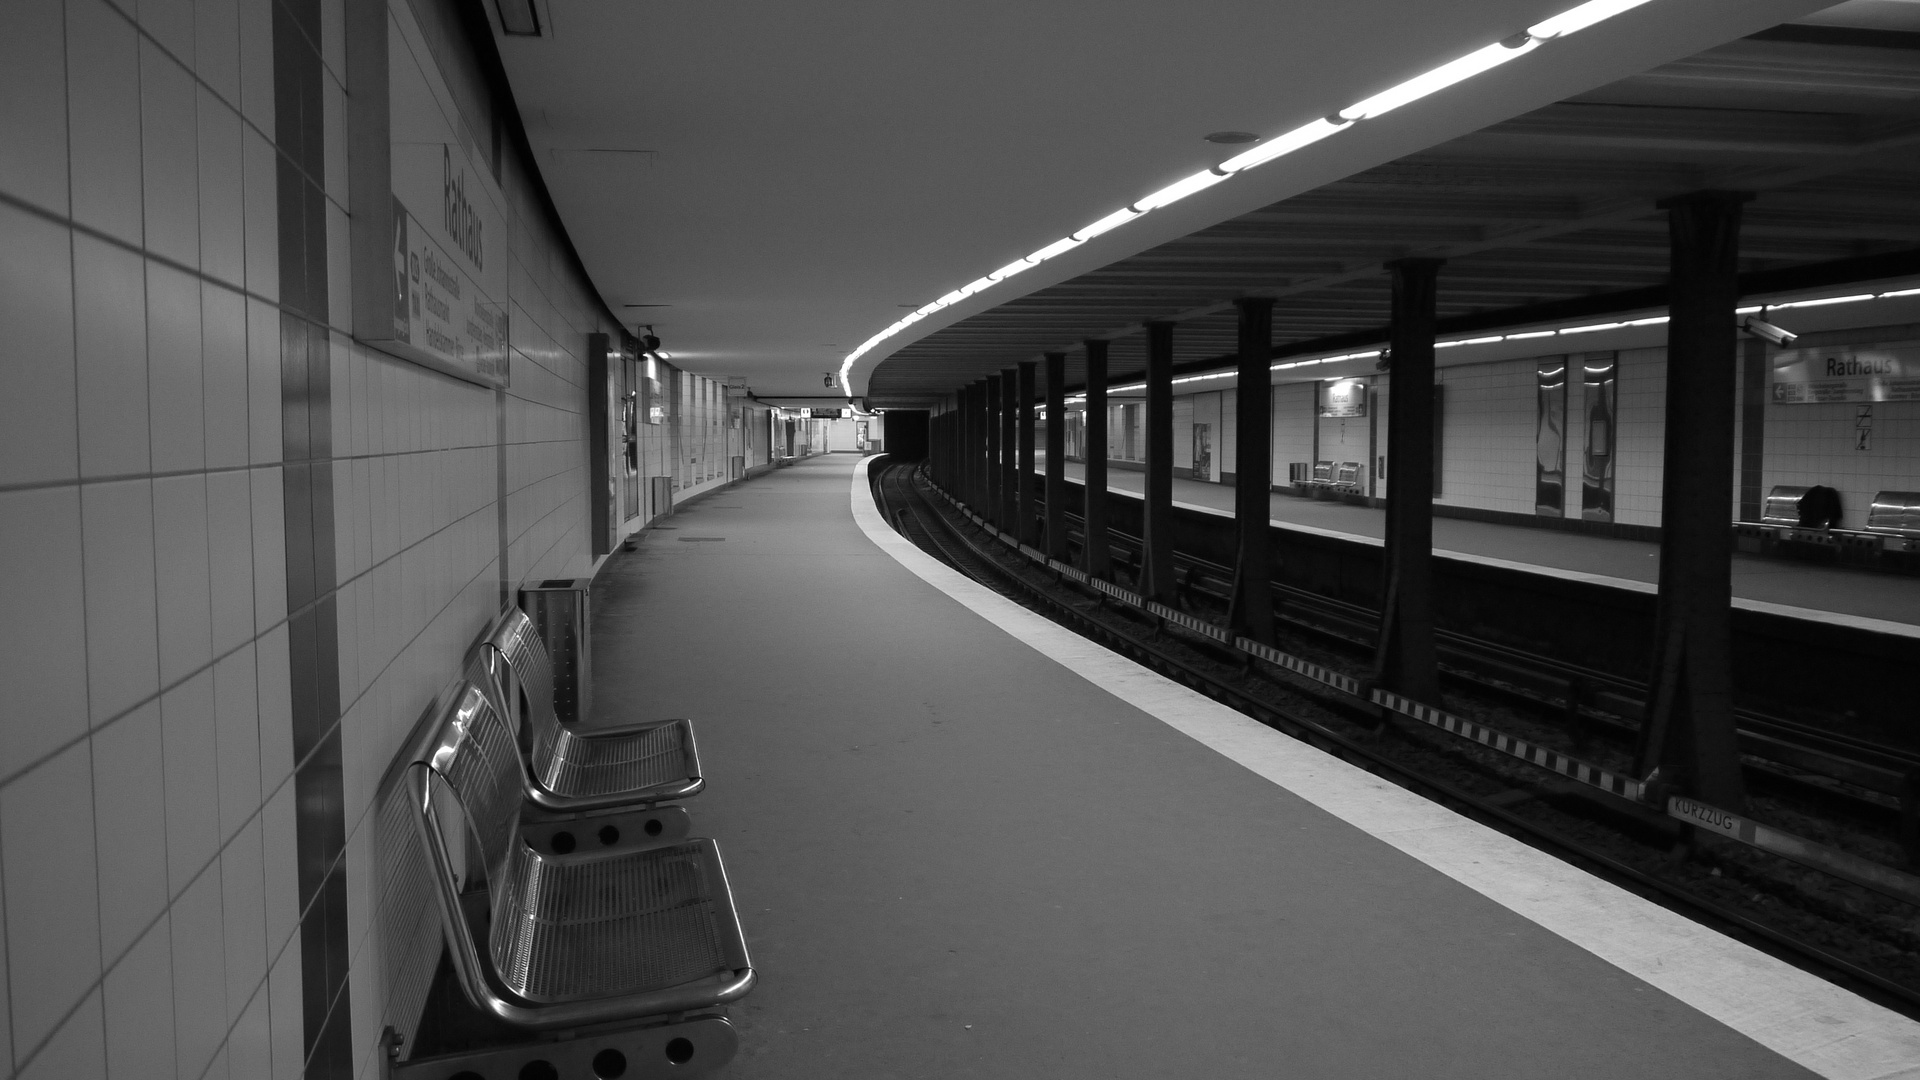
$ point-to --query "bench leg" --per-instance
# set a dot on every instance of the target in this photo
(691, 1047)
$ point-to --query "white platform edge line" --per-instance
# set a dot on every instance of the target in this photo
(1829, 618)
(1805, 1019)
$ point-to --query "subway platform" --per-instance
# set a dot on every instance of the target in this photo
(1876, 601)
(968, 843)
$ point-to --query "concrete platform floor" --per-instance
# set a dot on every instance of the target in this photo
(955, 857)
(1864, 593)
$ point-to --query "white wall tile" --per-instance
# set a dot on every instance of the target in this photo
(40, 654)
(176, 391)
(236, 711)
(333, 102)
(123, 647)
(276, 709)
(199, 973)
(171, 24)
(230, 558)
(110, 285)
(53, 924)
(244, 918)
(181, 575)
(278, 840)
(103, 115)
(169, 154)
(222, 192)
(216, 50)
(223, 328)
(256, 63)
(333, 37)
(38, 419)
(130, 819)
(258, 179)
(269, 547)
(250, 1044)
(188, 754)
(339, 271)
(285, 1017)
(139, 1009)
(33, 104)
(263, 382)
(74, 1050)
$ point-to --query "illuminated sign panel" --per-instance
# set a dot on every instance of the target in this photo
(1847, 373)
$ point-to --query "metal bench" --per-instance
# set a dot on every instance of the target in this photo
(619, 942)
(1896, 513)
(1323, 472)
(1347, 476)
(572, 770)
(1782, 506)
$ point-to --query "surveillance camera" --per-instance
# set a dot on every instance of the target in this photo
(829, 382)
(1761, 328)
(649, 343)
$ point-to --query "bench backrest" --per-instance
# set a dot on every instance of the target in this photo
(526, 684)
(1895, 512)
(469, 757)
(1783, 505)
(1349, 473)
(1323, 471)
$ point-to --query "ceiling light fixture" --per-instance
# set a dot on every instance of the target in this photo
(1479, 61)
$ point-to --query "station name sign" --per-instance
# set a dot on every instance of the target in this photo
(826, 414)
(430, 249)
(1343, 398)
(1850, 373)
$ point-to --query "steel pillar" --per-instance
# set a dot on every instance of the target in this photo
(1056, 545)
(1689, 735)
(1093, 553)
(994, 448)
(1405, 661)
(1156, 578)
(1251, 611)
(971, 493)
(1027, 527)
(1008, 512)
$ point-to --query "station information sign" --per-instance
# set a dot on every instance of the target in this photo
(1847, 373)
(430, 246)
(826, 414)
(1343, 397)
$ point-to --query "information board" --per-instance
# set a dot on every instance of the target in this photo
(1847, 373)
(1343, 397)
(429, 223)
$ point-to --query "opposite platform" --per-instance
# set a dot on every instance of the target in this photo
(1783, 583)
(967, 843)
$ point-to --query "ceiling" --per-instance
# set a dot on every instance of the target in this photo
(777, 182)
(1554, 205)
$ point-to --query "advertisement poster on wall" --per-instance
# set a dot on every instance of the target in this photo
(442, 238)
(1848, 373)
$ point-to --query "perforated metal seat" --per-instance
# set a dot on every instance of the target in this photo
(573, 769)
(572, 940)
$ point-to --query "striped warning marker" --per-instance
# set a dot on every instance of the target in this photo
(1306, 669)
(1572, 768)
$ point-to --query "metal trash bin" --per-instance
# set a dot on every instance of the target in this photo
(560, 611)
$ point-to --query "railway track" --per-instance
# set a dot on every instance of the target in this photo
(1348, 733)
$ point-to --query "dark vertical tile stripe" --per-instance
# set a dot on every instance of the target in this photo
(307, 485)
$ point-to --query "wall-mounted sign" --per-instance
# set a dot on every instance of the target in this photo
(1343, 397)
(1847, 373)
(429, 223)
(826, 414)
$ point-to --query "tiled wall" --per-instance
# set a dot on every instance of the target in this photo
(243, 552)
(1819, 444)
(1640, 437)
(1487, 424)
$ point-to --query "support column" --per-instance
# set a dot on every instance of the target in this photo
(1689, 733)
(1027, 528)
(1093, 553)
(970, 446)
(1056, 545)
(1252, 606)
(1156, 579)
(1008, 512)
(1405, 661)
(994, 449)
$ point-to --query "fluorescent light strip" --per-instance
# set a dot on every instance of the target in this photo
(1427, 83)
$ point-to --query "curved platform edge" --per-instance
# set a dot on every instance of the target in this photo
(1803, 1018)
